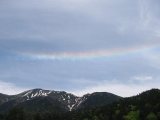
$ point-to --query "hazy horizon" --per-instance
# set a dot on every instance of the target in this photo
(80, 46)
(81, 94)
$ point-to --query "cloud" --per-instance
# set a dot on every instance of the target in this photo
(145, 15)
(149, 17)
(78, 29)
(152, 58)
(10, 88)
(74, 25)
(142, 78)
(121, 89)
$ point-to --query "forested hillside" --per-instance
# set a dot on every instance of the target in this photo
(145, 106)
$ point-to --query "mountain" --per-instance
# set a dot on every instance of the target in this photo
(49, 100)
(145, 106)
(96, 99)
(38, 104)
(3, 98)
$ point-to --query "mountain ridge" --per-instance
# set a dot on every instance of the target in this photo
(66, 101)
(143, 106)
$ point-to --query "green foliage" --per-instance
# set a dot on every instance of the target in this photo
(16, 114)
(132, 115)
(151, 116)
(2, 117)
(37, 117)
(85, 119)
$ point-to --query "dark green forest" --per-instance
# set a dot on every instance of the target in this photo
(145, 106)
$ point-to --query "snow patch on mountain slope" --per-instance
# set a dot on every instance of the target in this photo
(36, 93)
(69, 100)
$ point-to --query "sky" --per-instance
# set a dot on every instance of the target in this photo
(80, 46)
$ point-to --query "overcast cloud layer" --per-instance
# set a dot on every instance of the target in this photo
(80, 46)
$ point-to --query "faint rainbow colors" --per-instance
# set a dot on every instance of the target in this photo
(87, 55)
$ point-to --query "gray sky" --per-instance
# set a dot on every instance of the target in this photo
(80, 46)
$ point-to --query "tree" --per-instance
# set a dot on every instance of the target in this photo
(132, 115)
(16, 114)
(37, 117)
(1, 117)
(151, 116)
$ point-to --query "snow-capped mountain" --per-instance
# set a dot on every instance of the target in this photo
(35, 93)
(39, 99)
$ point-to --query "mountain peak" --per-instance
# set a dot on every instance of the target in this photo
(30, 94)
(66, 101)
